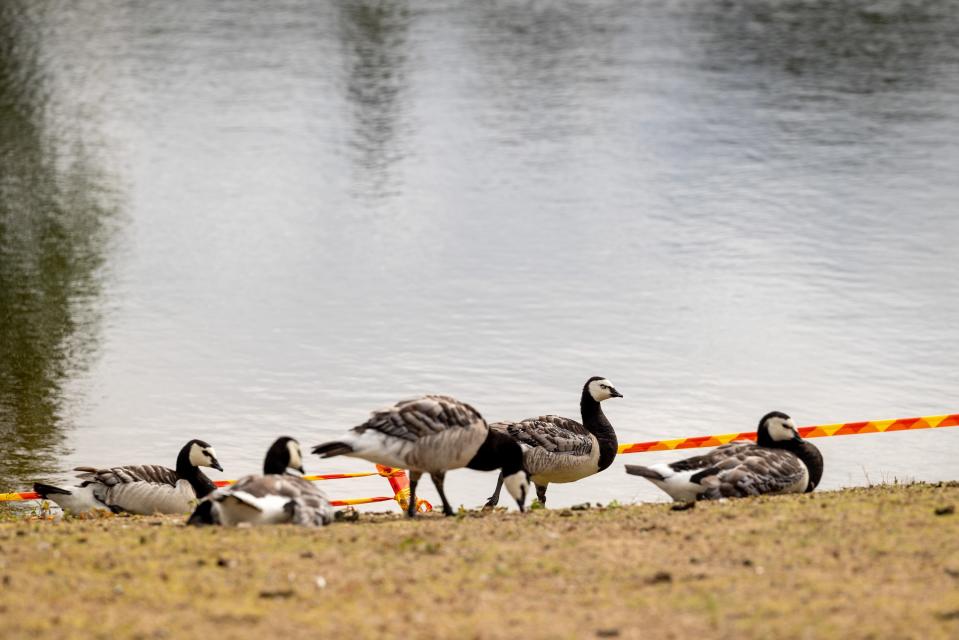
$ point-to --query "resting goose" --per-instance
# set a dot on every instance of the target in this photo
(779, 462)
(142, 489)
(557, 449)
(276, 497)
(433, 434)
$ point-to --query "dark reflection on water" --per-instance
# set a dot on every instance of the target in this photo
(848, 47)
(52, 238)
(374, 36)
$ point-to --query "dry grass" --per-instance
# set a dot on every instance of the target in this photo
(862, 563)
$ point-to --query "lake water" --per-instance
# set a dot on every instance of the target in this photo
(240, 220)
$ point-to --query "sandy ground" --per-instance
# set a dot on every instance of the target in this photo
(881, 562)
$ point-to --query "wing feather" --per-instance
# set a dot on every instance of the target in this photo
(750, 472)
(550, 433)
(307, 504)
(422, 417)
(113, 476)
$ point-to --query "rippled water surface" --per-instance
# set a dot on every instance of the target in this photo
(239, 220)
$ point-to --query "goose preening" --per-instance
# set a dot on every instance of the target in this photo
(557, 449)
(779, 462)
(275, 497)
(433, 434)
(142, 489)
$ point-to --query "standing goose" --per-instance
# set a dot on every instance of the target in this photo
(275, 497)
(433, 434)
(143, 489)
(557, 449)
(779, 462)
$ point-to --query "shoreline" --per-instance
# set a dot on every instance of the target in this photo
(879, 561)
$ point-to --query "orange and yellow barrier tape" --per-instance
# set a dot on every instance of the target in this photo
(814, 431)
(399, 482)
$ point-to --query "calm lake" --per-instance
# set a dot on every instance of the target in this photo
(240, 220)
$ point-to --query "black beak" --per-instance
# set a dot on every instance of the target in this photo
(613, 393)
(216, 465)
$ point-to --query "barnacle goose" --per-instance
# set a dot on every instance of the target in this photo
(275, 497)
(779, 462)
(557, 449)
(433, 434)
(143, 489)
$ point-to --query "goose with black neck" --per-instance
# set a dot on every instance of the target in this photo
(433, 434)
(141, 489)
(276, 497)
(558, 449)
(780, 461)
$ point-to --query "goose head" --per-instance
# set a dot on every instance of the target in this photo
(283, 454)
(775, 429)
(200, 454)
(601, 389)
(509, 457)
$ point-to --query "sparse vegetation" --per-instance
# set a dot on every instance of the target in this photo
(873, 562)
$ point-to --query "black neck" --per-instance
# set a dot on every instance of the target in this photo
(277, 459)
(498, 451)
(805, 451)
(597, 424)
(185, 470)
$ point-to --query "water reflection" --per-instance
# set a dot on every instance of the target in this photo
(857, 48)
(374, 36)
(52, 240)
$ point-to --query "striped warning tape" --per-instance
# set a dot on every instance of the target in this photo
(397, 477)
(814, 431)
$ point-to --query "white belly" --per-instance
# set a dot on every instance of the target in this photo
(80, 499)
(677, 483)
(450, 449)
(267, 510)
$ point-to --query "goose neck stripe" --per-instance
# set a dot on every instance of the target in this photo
(814, 431)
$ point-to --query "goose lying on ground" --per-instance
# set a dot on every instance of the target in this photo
(433, 434)
(275, 497)
(143, 489)
(779, 462)
(557, 449)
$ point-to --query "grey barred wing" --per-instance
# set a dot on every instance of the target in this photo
(113, 476)
(756, 472)
(720, 455)
(551, 433)
(308, 503)
(421, 417)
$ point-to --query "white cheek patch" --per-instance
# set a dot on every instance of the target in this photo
(598, 392)
(296, 460)
(778, 431)
(517, 485)
(197, 459)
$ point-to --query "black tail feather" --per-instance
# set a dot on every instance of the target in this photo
(646, 472)
(330, 449)
(48, 489)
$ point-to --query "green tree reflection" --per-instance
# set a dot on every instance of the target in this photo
(53, 232)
